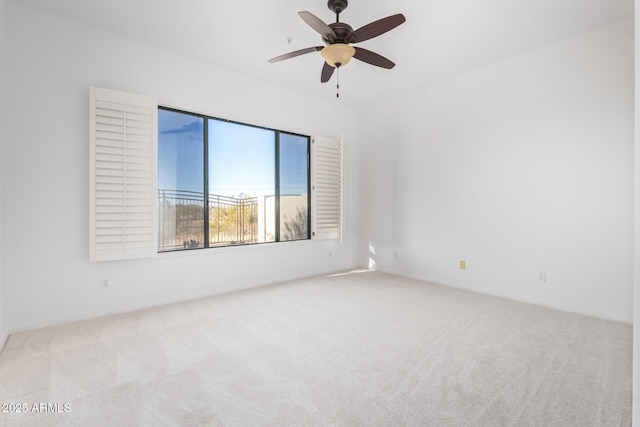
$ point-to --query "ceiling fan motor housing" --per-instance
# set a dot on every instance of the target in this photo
(337, 5)
(341, 30)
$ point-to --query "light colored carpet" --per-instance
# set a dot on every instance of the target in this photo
(364, 349)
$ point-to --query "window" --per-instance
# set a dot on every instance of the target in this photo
(223, 183)
(212, 182)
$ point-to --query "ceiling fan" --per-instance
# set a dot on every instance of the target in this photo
(338, 38)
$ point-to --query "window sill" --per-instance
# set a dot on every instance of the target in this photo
(233, 249)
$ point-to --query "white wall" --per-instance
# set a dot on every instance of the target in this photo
(636, 288)
(52, 62)
(3, 303)
(520, 168)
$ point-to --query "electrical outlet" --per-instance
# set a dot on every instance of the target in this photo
(542, 277)
(330, 254)
(105, 284)
(463, 264)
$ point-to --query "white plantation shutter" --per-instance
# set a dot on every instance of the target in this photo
(326, 188)
(123, 159)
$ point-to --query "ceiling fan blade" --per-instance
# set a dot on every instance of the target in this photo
(376, 28)
(317, 24)
(372, 58)
(327, 72)
(295, 53)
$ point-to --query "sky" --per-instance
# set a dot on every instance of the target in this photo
(241, 157)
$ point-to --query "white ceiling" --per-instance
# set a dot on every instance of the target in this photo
(440, 38)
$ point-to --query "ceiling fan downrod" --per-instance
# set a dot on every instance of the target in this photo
(337, 6)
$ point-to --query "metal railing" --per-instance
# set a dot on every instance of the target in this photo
(181, 217)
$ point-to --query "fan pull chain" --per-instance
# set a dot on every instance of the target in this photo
(338, 84)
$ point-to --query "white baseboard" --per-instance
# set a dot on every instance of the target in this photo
(526, 299)
(59, 320)
(77, 317)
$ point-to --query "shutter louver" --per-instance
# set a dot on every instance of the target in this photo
(123, 131)
(326, 188)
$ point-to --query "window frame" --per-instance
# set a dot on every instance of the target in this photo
(277, 212)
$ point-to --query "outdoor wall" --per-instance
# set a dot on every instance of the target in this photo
(48, 277)
(524, 169)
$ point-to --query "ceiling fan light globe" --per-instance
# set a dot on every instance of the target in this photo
(338, 53)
